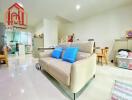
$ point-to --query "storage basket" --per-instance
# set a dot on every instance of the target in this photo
(124, 62)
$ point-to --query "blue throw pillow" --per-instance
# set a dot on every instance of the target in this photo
(70, 54)
(57, 52)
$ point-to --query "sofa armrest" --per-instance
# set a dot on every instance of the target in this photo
(46, 53)
(81, 72)
(45, 48)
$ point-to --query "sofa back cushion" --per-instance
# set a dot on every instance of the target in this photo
(57, 52)
(64, 45)
(86, 47)
(70, 54)
(82, 55)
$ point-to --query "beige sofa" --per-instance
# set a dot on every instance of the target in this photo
(72, 75)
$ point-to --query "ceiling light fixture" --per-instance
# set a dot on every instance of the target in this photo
(22, 91)
(77, 7)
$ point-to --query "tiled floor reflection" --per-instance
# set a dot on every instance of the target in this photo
(21, 81)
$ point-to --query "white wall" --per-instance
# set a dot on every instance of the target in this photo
(50, 33)
(104, 27)
(49, 28)
(39, 29)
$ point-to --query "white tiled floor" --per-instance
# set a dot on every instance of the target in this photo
(21, 81)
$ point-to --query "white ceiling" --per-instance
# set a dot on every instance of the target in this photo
(39, 9)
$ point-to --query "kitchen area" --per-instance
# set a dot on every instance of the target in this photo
(19, 42)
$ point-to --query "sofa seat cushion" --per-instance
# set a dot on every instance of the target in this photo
(59, 69)
(43, 64)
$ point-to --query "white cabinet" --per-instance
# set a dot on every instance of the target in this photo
(130, 44)
(122, 44)
(21, 49)
(37, 43)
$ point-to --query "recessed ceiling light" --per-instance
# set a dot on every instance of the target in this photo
(22, 91)
(77, 7)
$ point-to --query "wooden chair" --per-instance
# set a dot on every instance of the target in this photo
(103, 55)
(4, 57)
